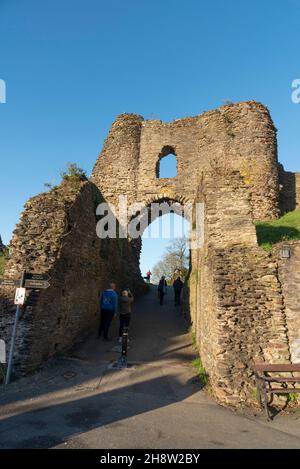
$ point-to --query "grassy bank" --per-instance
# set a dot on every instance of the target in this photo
(285, 228)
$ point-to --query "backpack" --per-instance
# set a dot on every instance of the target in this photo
(106, 301)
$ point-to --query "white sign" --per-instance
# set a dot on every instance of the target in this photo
(2, 351)
(20, 296)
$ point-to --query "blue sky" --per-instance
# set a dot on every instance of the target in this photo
(71, 66)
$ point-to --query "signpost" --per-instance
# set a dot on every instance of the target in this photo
(35, 284)
(30, 276)
(30, 281)
(9, 282)
(20, 296)
(13, 337)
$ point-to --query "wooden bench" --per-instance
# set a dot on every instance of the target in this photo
(264, 381)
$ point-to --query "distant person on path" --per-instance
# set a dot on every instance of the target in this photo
(162, 289)
(109, 308)
(177, 286)
(148, 276)
(126, 301)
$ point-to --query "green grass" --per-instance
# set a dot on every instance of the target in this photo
(196, 363)
(286, 228)
(292, 397)
(2, 264)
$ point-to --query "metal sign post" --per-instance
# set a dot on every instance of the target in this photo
(30, 281)
(13, 337)
(123, 357)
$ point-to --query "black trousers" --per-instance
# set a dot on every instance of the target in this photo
(161, 296)
(177, 294)
(105, 322)
(124, 322)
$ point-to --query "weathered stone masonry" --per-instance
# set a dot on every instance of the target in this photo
(240, 136)
(289, 190)
(289, 277)
(241, 298)
(57, 235)
(239, 316)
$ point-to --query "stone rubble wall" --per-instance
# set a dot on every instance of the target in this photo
(289, 276)
(289, 190)
(240, 313)
(57, 235)
(238, 137)
(249, 323)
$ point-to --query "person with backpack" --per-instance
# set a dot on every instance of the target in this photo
(162, 289)
(109, 308)
(126, 301)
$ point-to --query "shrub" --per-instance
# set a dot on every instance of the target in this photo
(73, 173)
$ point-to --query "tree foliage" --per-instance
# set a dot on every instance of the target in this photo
(174, 263)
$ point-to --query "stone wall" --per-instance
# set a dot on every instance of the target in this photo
(57, 235)
(240, 136)
(289, 190)
(237, 303)
(289, 276)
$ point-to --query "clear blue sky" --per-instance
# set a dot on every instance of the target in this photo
(71, 66)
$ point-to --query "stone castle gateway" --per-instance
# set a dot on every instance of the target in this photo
(242, 299)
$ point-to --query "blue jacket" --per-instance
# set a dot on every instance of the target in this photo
(109, 300)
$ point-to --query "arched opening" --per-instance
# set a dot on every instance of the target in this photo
(167, 163)
(165, 242)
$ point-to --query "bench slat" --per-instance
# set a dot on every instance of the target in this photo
(261, 367)
(283, 390)
(280, 379)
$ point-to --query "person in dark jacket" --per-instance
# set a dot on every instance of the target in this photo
(109, 308)
(125, 309)
(177, 286)
(162, 289)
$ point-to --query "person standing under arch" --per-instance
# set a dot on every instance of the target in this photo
(162, 289)
(177, 286)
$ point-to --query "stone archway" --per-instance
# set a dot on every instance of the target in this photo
(227, 160)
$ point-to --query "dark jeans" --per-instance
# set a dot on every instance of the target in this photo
(161, 297)
(177, 297)
(124, 322)
(105, 322)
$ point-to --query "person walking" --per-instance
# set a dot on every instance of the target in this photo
(109, 308)
(162, 289)
(177, 286)
(126, 301)
(148, 276)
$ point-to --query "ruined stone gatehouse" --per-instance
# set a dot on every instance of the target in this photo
(240, 300)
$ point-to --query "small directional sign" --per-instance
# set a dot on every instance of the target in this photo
(20, 296)
(30, 276)
(9, 282)
(36, 284)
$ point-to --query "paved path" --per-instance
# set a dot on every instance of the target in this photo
(76, 402)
